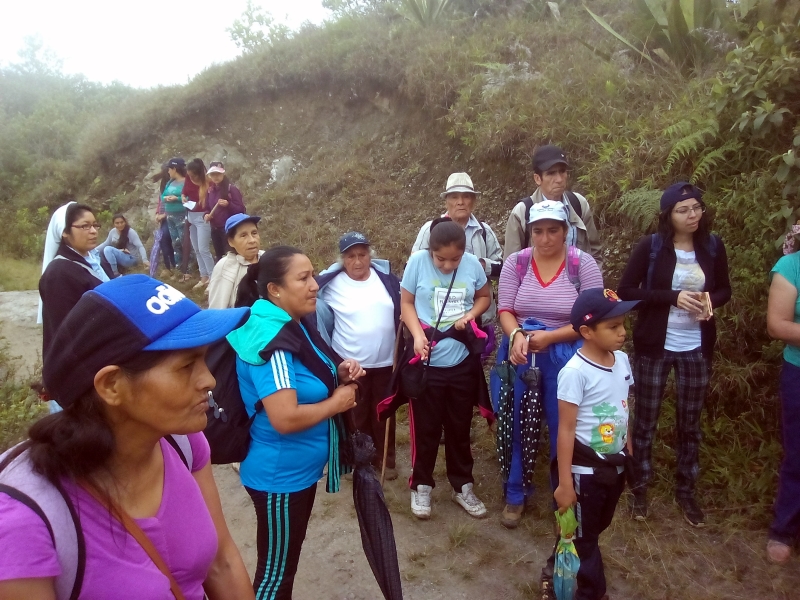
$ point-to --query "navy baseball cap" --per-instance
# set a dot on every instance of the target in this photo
(678, 192)
(117, 320)
(176, 162)
(352, 238)
(596, 304)
(547, 156)
(235, 220)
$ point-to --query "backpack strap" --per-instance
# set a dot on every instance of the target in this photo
(523, 263)
(656, 243)
(183, 447)
(575, 203)
(711, 245)
(54, 507)
(574, 267)
(483, 231)
(528, 201)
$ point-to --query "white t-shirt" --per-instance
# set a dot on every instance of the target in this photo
(364, 319)
(683, 330)
(601, 394)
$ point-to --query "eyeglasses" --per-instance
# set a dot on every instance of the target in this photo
(88, 226)
(685, 210)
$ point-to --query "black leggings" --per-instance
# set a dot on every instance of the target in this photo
(282, 522)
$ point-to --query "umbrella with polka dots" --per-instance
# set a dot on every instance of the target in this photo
(531, 418)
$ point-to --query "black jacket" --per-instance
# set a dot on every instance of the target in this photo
(650, 330)
(61, 286)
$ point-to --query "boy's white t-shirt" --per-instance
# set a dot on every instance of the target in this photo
(364, 314)
(601, 394)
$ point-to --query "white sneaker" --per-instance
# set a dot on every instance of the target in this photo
(421, 502)
(469, 502)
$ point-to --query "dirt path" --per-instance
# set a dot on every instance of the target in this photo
(453, 556)
(18, 327)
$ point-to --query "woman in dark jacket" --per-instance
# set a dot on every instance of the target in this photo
(75, 269)
(681, 275)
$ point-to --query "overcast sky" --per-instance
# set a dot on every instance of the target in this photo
(142, 43)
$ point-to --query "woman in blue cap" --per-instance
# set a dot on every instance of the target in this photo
(680, 274)
(242, 234)
(114, 497)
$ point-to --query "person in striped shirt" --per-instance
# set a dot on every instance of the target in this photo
(537, 289)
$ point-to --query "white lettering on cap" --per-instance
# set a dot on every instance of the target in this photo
(166, 297)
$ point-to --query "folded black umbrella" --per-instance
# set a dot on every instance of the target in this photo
(374, 521)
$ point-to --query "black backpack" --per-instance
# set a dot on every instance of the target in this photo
(228, 429)
(573, 201)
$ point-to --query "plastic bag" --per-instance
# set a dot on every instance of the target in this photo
(565, 572)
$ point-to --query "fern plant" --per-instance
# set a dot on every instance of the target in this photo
(712, 159)
(639, 206)
(695, 135)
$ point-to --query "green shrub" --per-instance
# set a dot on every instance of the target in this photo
(19, 406)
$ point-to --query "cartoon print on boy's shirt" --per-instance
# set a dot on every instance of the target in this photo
(610, 435)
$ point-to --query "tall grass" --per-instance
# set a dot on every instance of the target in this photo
(18, 274)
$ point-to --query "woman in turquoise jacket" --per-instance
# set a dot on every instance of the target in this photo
(286, 368)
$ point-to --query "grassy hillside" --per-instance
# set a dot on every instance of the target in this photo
(376, 112)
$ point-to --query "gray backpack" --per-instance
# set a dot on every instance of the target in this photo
(53, 506)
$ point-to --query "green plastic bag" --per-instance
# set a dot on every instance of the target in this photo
(565, 572)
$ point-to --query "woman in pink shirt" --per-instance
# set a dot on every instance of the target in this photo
(536, 291)
(126, 457)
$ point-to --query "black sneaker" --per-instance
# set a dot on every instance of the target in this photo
(691, 512)
(639, 506)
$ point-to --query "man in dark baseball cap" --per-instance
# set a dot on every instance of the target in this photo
(551, 175)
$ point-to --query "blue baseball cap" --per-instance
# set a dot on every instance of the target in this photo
(597, 304)
(119, 319)
(352, 238)
(235, 220)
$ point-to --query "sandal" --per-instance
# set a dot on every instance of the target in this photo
(185, 278)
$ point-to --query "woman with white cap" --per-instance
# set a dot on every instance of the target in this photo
(537, 289)
(224, 200)
(242, 234)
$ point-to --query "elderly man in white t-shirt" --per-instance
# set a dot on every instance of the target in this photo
(358, 312)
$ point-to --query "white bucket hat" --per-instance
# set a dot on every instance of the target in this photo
(548, 209)
(458, 182)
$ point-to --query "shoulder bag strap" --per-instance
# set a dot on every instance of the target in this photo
(441, 312)
(137, 533)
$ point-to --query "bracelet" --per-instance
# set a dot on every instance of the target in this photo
(513, 333)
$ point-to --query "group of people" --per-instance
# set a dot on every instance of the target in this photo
(126, 363)
(194, 205)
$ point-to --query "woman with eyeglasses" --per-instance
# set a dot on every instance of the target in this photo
(74, 267)
(680, 274)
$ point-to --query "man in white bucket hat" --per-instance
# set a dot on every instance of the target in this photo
(459, 200)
